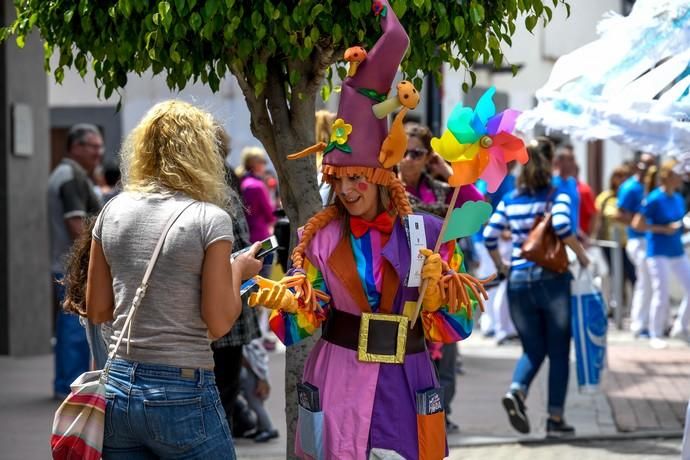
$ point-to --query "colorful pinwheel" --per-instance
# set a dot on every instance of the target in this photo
(478, 143)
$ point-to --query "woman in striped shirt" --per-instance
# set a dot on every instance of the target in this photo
(539, 298)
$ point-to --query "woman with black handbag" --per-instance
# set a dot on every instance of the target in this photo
(539, 283)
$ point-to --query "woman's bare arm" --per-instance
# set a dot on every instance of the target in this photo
(100, 302)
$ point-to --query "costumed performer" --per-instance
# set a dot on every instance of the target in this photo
(351, 276)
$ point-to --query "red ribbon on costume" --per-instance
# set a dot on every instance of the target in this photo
(383, 223)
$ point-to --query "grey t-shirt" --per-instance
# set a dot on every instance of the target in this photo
(70, 194)
(168, 328)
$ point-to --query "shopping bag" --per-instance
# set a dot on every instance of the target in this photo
(80, 420)
(589, 325)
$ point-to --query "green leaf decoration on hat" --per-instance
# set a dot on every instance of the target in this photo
(340, 131)
(372, 94)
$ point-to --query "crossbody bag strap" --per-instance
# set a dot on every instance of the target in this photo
(141, 290)
(549, 200)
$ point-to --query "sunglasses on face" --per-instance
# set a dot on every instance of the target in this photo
(415, 154)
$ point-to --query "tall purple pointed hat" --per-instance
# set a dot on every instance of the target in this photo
(360, 142)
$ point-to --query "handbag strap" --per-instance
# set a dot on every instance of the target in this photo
(549, 200)
(141, 290)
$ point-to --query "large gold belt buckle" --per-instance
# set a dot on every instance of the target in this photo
(363, 353)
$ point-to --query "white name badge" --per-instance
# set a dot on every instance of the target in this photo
(417, 238)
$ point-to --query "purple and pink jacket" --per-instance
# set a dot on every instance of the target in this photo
(368, 405)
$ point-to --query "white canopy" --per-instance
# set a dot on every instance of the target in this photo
(630, 86)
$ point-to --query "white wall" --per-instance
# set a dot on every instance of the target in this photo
(141, 93)
(537, 52)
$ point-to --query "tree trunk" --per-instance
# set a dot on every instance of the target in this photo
(300, 198)
(284, 123)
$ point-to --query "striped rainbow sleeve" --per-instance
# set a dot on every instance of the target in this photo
(293, 327)
(441, 325)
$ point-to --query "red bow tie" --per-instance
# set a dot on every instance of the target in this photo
(383, 223)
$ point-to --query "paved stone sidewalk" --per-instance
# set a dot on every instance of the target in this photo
(648, 389)
(26, 407)
(488, 371)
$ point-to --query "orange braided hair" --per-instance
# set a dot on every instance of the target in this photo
(313, 225)
(399, 198)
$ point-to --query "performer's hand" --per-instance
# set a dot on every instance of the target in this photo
(433, 266)
(433, 299)
(273, 295)
(431, 272)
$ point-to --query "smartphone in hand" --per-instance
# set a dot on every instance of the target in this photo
(267, 246)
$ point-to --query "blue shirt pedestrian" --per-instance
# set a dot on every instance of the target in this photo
(517, 212)
(660, 208)
(568, 185)
(630, 197)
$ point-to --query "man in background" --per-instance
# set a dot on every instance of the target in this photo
(71, 199)
(568, 172)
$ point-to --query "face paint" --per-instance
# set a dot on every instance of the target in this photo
(359, 197)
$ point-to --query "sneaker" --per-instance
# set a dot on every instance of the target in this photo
(641, 334)
(558, 429)
(516, 410)
(658, 344)
(265, 436)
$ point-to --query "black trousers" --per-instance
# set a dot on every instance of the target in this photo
(228, 363)
(445, 368)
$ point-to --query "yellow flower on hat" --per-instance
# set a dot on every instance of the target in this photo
(340, 131)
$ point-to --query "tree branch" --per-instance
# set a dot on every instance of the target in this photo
(261, 124)
(276, 97)
(314, 72)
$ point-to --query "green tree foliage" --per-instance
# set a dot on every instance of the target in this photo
(281, 52)
(197, 39)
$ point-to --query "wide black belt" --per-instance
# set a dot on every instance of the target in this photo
(376, 337)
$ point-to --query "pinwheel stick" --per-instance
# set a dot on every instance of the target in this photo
(439, 240)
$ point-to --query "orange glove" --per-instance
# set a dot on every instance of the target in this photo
(431, 272)
(273, 295)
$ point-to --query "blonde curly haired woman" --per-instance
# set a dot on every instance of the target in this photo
(162, 401)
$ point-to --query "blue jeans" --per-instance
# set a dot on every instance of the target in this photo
(155, 411)
(539, 301)
(72, 357)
